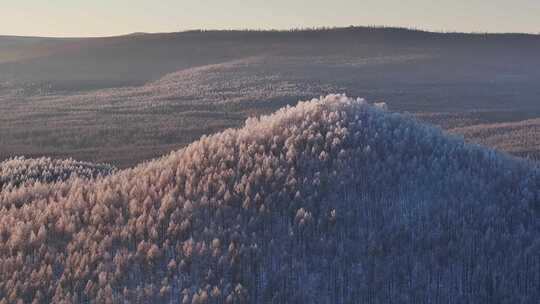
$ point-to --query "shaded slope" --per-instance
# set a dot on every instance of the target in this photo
(17, 49)
(136, 59)
(330, 201)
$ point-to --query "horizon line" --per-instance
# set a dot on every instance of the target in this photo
(281, 30)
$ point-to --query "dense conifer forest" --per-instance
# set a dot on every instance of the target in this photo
(330, 201)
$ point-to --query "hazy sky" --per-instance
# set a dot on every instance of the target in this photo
(113, 17)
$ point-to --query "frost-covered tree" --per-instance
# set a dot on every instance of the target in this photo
(330, 201)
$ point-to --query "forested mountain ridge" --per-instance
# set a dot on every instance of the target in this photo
(330, 201)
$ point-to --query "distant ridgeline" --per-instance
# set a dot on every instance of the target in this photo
(331, 201)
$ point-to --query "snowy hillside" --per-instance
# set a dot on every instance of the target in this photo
(19, 171)
(330, 201)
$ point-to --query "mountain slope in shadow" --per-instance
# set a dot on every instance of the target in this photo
(85, 63)
(330, 201)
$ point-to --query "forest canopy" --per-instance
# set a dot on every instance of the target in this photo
(331, 201)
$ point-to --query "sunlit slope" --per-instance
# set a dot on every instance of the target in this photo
(519, 138)
(331, 201)
(19, 171)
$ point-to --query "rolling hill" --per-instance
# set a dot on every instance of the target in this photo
(330, 201)
(123, 100)
(79, 63)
